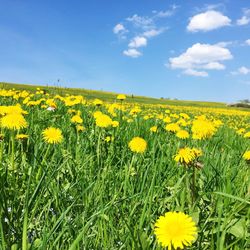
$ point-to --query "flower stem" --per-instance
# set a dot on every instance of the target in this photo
(12, 150)
(193, 189)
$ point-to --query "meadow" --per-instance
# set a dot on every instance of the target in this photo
(121, 172)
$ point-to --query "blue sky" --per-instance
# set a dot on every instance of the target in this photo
(190, 50)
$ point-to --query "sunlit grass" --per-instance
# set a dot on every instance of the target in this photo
(87, 192)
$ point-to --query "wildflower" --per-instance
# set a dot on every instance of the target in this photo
(172, 127)
(115, 124)
(184, 115)
(187, 155)
(153, 129)
(175, 229)
(97, 113)
(76, 119)
(121, 97)
(197, 152)
(202, 129)
(138, 145)
(167, 119)
(97, 102)
(182, 134)
(247, 135)
(13, 121)
(108, 139)
(52, 135)
(103, 121)
(240, 131)
(51, 108)
(22, 136)
(80, 128)
(246, 155)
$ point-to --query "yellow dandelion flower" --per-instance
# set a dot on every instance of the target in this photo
(103, 121)
(240, 131)
(71, 111)
(108, 139)
(138, 145)
(172, 127)
(167, 119)
(175, 229)
(197, 152)
(115, 124)
(121, 97)
(153, 129)
(97, 102)
(246, 155)
(247, 135)
(182, 134)
(187, 155)
(202, 129)
(22, 136)
(80, 128)
(13, 121)
(76, 119)
(97, 113)
(52, 135)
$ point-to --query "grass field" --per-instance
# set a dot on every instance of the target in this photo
(81, 173)
(108, 96)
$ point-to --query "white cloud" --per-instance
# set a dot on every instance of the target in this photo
(142, 29)
(213, 65)
(153, 32)
(118, 28)
(248, 42)
(193, 72)
(245, 19)
(244, 71)
(241, 71)
(207, 21)
(138, 41)
(132, 53)
(161, 13)
(167, 13)
(225, 44)
(142, 22)
(201, 56)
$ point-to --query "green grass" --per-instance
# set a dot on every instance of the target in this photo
(86, 198)
(86, 193)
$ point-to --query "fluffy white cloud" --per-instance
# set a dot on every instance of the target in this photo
(201, 56)
(213, 65)
(207, 21)
(244, 71)
(193, 72)
(245, 19)
(153, 32)
(132, 53)
(118, 28)
(241, 71)
(248, 42)
(138, 41)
